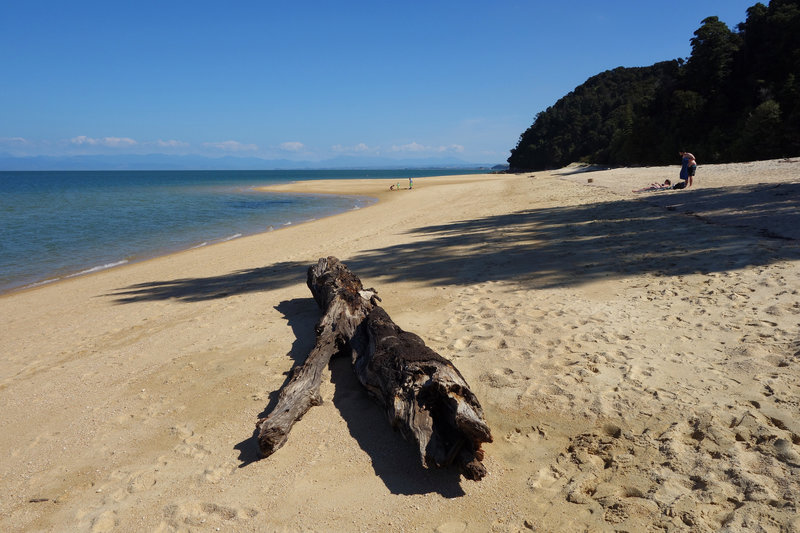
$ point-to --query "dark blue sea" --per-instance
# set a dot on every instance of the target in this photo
(55, 225)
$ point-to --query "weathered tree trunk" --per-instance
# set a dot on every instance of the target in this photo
(340, 294)
(424, 395)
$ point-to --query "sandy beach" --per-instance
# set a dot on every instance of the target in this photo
(637, 356)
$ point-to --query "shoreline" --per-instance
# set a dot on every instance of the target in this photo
(330, 187)
(116, 229)
(137, 258)
(635, 356)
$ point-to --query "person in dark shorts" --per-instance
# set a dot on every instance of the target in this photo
(688, 167)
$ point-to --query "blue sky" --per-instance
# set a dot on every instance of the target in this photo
(310, 81)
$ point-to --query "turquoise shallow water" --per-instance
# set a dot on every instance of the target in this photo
(60, 224)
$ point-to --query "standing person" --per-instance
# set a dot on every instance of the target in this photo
(688, 167)
(410, 183)
(692, 168)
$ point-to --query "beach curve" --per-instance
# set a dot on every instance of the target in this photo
(636, 357)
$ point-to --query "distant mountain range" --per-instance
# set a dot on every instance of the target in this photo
(194, 162)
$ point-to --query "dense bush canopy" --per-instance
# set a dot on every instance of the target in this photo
(736, 98)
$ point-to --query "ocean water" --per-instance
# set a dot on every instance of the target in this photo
(55, 225)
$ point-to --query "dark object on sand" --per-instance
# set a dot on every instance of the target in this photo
(423, 394)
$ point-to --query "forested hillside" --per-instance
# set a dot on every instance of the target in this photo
(736, 98)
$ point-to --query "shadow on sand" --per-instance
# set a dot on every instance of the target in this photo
(199, 289)
(394, 460)
(696, 231)
(674, 234)
(301, 315)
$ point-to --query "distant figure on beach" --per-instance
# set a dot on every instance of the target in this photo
(410, 183)
(656, 186)
(688, 168)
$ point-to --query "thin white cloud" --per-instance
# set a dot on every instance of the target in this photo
(410, 147)
(13, 140)
(420, 148)
(111, 142)
(232, 146)
(172, 144)
(359, 148)
(119, 141)
(292, 146)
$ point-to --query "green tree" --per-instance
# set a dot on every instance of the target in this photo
(711, 63)
(762, 132)
(737, 97)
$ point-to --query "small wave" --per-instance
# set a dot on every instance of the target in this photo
(98, 268)
(199, 245)
(40, 283)
(231, 237)
(287, 223)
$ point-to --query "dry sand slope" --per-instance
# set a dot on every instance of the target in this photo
(651, 357)
(637, 356)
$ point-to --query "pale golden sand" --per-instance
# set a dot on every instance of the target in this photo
(637, 356)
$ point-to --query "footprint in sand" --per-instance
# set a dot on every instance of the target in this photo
(106, 521)
(545, 479)
(215, 474)
(461, 344)
(785, 452)
(190, 443)
(452, 527)
(205, 515)
(502, 378)
(141, 480)
(482, 326)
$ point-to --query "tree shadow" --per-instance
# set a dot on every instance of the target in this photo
(244, 281)
(676, 234)
(768, 210)
(699, 230)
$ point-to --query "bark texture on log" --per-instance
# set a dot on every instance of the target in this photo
(340, 294)
(424, 396)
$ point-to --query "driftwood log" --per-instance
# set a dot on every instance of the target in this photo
(423, 394)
